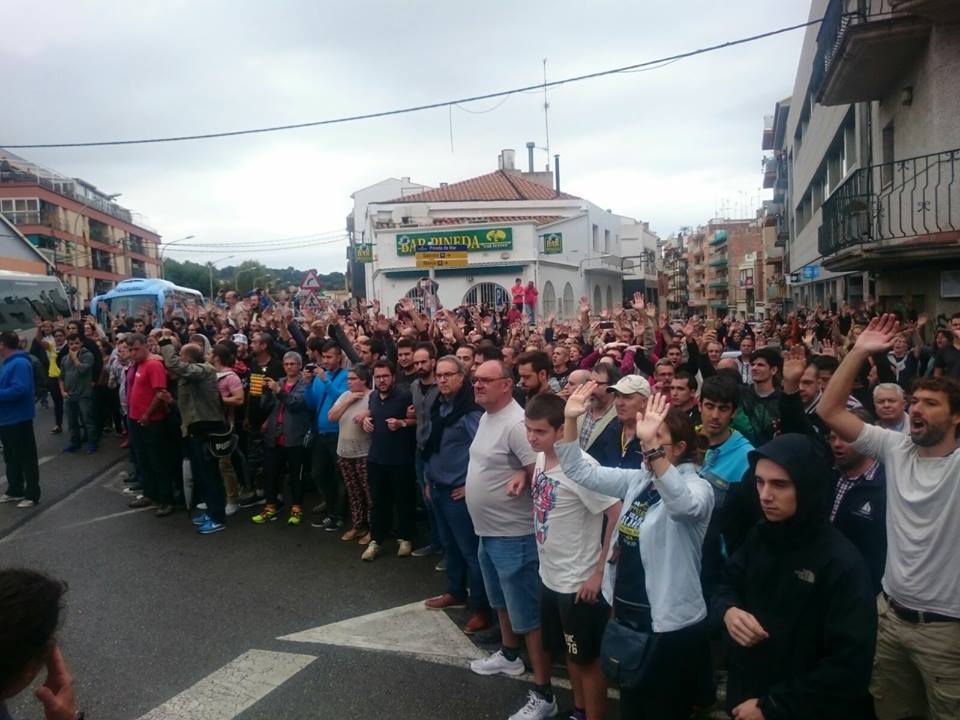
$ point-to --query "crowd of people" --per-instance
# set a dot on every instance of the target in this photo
(649, 498)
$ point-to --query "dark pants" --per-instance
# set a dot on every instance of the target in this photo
(326, 474)
(392, 486)
(435, 539)
(460, 542)
(666, 693)
(82, 421)
(53, 385)
(275, 459)
(20, 456)
(206, 478)
(108, 406)
(158, 462)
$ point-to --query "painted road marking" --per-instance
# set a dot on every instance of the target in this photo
(408, 629)
(411, 630)
(227, 692)
(20, 535)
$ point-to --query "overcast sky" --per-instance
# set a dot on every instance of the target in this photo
(665, 146)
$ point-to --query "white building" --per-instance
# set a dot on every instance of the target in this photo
(641, 259)
(515, 225)
(868, 157)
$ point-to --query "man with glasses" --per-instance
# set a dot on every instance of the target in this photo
(602, 409)
(498, 498)
(454, 419)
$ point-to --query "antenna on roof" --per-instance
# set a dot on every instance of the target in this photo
(546, 112)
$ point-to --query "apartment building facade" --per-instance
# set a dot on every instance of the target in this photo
(869, 157)
(725, 269)
(640, 248)
(91, 240)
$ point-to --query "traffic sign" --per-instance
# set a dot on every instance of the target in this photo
(310, 281)
(423, 262)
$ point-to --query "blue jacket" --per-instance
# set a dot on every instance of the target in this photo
(16, 390)
(322, 394)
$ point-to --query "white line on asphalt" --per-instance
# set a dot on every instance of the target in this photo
(227, 692)
(19, 535)
(40, 461)
(413, 630)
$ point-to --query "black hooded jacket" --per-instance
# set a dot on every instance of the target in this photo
(809, 588)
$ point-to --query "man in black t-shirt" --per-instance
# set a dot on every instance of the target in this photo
(947, 362)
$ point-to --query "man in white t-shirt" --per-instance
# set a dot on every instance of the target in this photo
(917, 664)
(498, 498)
(573, 549)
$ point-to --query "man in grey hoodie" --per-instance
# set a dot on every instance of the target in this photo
(76, 385)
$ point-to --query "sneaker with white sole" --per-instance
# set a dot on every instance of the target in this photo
(10, 498)
(370, 554)
(26, 504)
(537, 708)
(230, 509)
(497, 663)
(201, 506)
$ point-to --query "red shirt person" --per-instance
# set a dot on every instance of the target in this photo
(530, 295)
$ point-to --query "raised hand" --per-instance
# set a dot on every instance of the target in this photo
(793, 366)
(922, 319)
(584, 305)
(579, 400)
(879, 335)
(650, 420)
(828, 348)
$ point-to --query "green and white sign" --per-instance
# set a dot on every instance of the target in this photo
(363, 252)
(481, 240)
(552, 243)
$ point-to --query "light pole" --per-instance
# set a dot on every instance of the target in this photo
(163, 249)
(267, 277)
(210, 267)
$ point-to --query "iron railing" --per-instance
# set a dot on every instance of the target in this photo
(901, 199)
(841, 15)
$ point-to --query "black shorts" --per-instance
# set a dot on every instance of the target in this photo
(572, 628)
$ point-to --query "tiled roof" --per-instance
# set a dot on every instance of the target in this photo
(498, 185)
(485, 220)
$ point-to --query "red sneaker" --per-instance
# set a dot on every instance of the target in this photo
(478, 621)
(442, 602)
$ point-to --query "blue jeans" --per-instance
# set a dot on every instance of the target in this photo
(460, 543)
(436, 540)
(511, 574)
(82, 422)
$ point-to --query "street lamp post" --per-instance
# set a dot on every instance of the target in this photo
(210, 267)
(163, 249)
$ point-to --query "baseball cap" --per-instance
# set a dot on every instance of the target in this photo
(241, 339)
(631, 385)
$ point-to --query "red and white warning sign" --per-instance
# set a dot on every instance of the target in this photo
(310, 282)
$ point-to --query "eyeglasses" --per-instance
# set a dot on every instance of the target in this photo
(487, 381)
(444, 376)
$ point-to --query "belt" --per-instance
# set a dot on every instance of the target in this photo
(917, 617)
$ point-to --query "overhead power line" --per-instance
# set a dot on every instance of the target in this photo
(313, 238)
(428, 106)
(226, 247)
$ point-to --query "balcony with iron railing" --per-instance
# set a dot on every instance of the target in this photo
(863, 47)
(885, 213)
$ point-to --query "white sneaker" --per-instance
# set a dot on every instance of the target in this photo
(536, 708)
(26, 504)
(201, 506)
(230, 509)
(498, 663)
(370, 554)
(10, 498)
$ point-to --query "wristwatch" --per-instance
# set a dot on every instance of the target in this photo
(655, 454)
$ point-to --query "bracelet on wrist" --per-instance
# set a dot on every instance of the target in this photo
(655, 454)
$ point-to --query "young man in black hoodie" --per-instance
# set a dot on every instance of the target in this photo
(796, 600)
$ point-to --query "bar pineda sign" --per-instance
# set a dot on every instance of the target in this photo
(484, 239)
(552, 243)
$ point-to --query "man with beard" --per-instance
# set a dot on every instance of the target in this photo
(602, 409)
(917, 667)
(534, 370)
(858, 505)
(424, 391)
(406, 372)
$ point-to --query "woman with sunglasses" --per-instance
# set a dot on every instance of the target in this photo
(652, 578)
